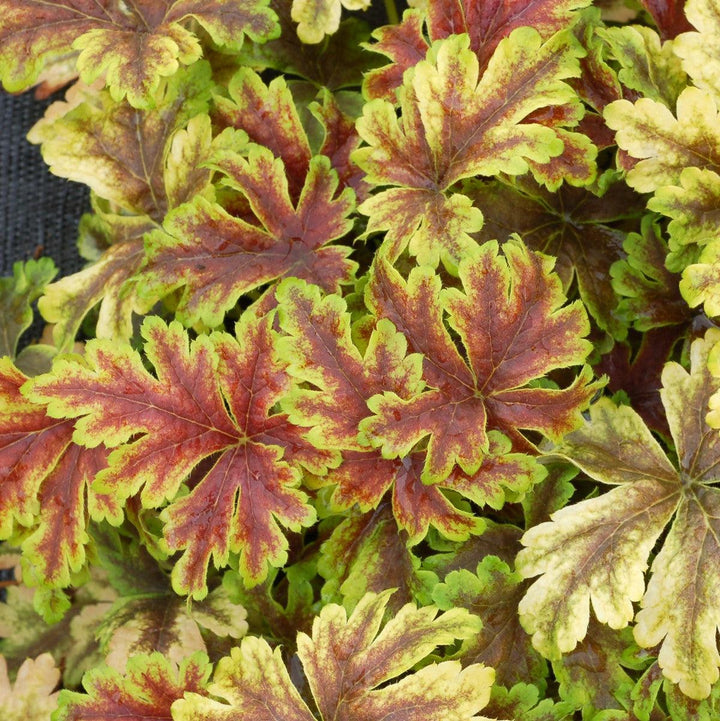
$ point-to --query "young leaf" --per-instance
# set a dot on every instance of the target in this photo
(216, 257)
(318, 18)
(457, 124)
(598, 549)
(211, 399)
(134, 47)
(345, 660)
(16, 296)
(147, 689)
(513, 329)
(697, 48)
(31, 696)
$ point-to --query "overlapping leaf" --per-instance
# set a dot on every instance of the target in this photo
(216, 257)
(457, 124)
(147, 689)
(208, 404)
(485, 23)
(514, 330)
(597, 550)
(492, 592)
(44, 478)
(345, 660)
(582, 231)
(134, 46)
(342, 381)
(139, 164)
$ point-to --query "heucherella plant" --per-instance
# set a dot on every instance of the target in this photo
(390, 387)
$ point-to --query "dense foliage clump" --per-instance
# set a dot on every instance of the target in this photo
(391, 387)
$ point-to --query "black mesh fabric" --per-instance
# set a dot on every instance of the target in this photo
(39, 212)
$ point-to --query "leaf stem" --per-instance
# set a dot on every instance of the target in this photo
(391, 12)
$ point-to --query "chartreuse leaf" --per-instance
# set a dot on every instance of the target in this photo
(139, 164)
(513, 328)
(697, 48)
(45, 479)
(146, 689)
(345, 659)
(133, 47)
(647, 65)
(318, 18)
(210, 399)
(457, 124)
(216, 257)
(31, 696)
(334, 404)
(598, 549)
(16, 296)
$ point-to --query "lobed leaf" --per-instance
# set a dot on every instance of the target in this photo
(193, 409)
(31, 696)
(513, 329)
(345, 659)
(457, 124)
(134, 48)
(147, 689)
(597, 549)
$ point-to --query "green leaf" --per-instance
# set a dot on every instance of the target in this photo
(16, 297)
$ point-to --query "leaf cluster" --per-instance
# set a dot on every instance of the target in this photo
(391, 387)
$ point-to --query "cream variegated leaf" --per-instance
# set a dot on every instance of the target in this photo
(598, 550)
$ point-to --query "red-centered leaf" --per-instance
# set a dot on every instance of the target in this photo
(486, 23)
(344, 661)
(147, 690)
(513, 330)
(209, 400)
(582, 231)
(669, 16)
(216, 257)
(341, 382)
(457, 124)
(43, 477)
(134, 46)
(268, 115)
